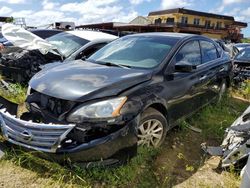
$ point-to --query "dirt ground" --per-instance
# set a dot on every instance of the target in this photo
(183, 165)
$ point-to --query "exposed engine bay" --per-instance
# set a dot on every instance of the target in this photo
(21, 65)
(241, 72)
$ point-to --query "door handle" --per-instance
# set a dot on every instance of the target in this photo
(203, 77)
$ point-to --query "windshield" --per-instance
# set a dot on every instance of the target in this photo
(135, 51)
(243, 55)
(67, 43)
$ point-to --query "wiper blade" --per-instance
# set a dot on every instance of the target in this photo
(115, 65)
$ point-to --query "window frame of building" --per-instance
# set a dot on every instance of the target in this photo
(219, 25)
(170, 20)
(207, 23)
(196, 21)
(158, 21)
(184, 20)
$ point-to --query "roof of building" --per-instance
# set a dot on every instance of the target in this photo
(92, 35)
(243, 24)
(192, 12)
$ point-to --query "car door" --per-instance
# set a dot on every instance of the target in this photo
(211, 68)
(182, 88)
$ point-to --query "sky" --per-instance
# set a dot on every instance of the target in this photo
(39, 13)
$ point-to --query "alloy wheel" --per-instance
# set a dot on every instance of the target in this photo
(150, 133)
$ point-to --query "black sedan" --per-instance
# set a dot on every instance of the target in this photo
(131, 92)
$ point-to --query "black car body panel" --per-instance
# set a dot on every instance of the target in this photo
(86, 80)
(59, 91)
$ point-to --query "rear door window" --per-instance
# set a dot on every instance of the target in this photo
(209, 52)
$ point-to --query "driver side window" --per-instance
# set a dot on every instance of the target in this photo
(189, 53)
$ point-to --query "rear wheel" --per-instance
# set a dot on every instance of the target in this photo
(152, 128)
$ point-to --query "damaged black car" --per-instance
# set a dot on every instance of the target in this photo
(242, 66)
(129, 93)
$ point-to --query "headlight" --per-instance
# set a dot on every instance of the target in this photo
(103, 109)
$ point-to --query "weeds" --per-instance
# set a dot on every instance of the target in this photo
(242, 90)
(77, 176)
(16, 93)
(215, 118)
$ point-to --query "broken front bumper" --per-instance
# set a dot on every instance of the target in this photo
(37, 136)
(48, 138)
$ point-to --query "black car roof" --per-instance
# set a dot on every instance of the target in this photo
(166, 34)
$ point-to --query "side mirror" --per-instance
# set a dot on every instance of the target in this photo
(184, 67)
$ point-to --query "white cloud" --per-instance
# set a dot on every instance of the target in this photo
(137, 2)
(49, 5)
(89, 11)
(96, 11)
(23, 13)
(124, 17)
(42, 17)
(246, 12)
(229, 2)
(13, 1)
(226, 3)
(168, 4)
(5, 11)
(88, 6)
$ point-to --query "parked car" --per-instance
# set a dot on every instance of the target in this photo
(42, 33)
(131, 92)
(242, 65)
(241, 46)
(21, 64)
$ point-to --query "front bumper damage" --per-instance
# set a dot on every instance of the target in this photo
(52, 141)
(235, 147)
(31, 135)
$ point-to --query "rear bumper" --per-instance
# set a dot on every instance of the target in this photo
(47, 138)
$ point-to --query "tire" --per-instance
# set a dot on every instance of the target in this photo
(223, 89)
(152, 128)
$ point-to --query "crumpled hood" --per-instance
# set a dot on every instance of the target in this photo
(81, 81)
(24, 39)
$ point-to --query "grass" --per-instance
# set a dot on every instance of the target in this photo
(215, 118)
(79, 177)
(242, 90)
(15, 93)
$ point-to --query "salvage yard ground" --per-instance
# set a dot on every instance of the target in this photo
(179, 162)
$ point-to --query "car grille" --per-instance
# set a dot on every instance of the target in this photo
(37, 136)
(55, 107)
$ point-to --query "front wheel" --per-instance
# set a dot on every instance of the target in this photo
(152, 128)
